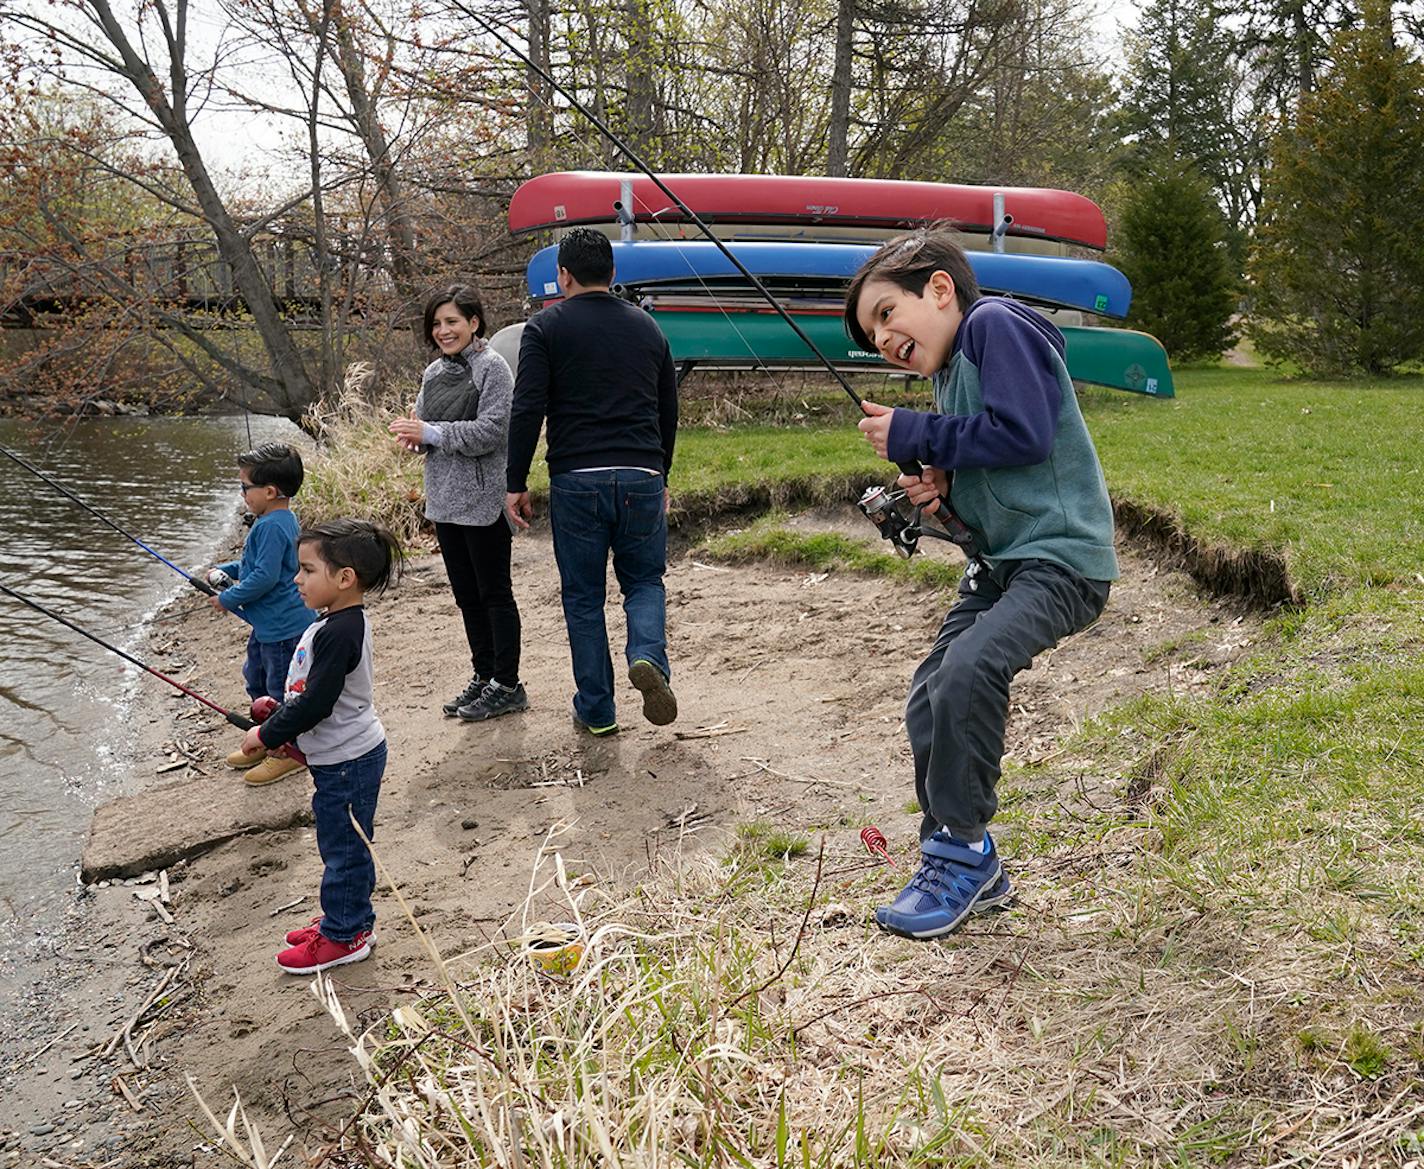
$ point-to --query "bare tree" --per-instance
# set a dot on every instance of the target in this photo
(169, 90)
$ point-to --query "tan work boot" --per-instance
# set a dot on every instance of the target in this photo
(271, 769)
(241, 759)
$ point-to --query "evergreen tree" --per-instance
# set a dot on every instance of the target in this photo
(1172, 246)
(1338, 267)
(1188, 96)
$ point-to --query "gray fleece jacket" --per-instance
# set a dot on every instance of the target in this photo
(465, 460)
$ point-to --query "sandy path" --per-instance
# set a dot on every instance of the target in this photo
(810, 670)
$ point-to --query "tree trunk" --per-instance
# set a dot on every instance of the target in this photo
(399, 229)
(298, 392)
(838, 131)
(640, 77)
(540, 124)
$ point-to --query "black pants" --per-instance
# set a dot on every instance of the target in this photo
(477, 563)
(959, 698)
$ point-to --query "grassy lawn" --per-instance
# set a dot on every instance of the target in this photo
(1221, 960)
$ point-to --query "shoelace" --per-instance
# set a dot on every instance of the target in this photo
(936, 873)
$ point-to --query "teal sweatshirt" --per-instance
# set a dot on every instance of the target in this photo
(1026, 477)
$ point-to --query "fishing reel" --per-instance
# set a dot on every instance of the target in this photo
(885, 507)
(219, 579)
(882, 506)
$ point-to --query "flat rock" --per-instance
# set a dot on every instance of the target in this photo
(178, 821)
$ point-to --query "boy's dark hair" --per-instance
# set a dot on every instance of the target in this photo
(367, 549)
(587, 255)
(274, 464)
(908, 261)
(464, 298)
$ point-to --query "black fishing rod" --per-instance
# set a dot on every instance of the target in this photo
(237, 720)
(958, 531)
(201, 585)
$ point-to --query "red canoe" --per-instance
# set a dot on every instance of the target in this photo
(566, 198)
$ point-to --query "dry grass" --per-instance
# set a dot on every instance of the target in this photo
(740, 1013)
(358, 470)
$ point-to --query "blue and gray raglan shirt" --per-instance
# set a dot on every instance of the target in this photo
(327, 706)
(1026, 477)
(266, 588)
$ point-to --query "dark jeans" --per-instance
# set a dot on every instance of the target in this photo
(959, 698)
(349, 877)
(593, 513)
(477, 563)
(265, 670)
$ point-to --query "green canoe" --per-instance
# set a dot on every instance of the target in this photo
(1119, 358)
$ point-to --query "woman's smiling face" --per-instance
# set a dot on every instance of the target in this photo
(451, 330)
(912, 330)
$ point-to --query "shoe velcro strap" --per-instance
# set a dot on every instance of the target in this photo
(951, 850)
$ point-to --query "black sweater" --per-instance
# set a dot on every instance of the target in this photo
(601, 371)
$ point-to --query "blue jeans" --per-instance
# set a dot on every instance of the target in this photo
(265, 670)
(349, 876)
(593, 513)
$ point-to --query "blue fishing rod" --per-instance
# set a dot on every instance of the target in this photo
(201, 585)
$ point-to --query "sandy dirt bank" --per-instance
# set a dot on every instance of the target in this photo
(801, 675)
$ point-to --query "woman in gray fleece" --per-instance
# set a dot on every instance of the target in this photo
(460, 423)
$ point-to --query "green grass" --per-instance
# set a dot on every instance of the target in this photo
(768, 538)
(1327, 474)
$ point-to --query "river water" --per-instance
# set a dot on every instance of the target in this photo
(64, 701)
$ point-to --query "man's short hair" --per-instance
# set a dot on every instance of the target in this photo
(587, 256)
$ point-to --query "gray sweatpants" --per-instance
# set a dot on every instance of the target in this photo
(959, 698)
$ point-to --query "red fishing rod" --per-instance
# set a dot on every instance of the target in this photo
(237, 720)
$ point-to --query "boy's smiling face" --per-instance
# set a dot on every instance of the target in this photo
(913, 331)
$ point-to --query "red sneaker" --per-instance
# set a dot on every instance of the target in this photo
(321, 953)
(305, 933)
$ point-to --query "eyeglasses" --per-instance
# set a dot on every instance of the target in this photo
(244, 488)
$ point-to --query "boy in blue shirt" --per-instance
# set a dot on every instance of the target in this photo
(266, 590)
(1010, 452)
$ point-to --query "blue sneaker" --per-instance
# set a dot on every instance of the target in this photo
(954, 880)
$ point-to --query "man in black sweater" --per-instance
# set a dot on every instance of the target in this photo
(601, 371)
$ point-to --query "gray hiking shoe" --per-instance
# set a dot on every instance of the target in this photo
(466, 696)
(494, 701)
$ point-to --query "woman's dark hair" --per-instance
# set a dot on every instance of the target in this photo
(587, 256)
(464, 298)
(908, 261)
(274, 464)
(367, 549)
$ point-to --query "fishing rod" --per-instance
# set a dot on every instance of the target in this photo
(957, 531)
(201, 585)
(237, 720)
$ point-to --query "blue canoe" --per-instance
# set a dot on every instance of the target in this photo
(698, 266)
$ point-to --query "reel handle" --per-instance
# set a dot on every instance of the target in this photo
(958, 530)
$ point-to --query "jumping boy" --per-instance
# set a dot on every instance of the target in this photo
(266, 592)
(329, 714)
(1010, 452)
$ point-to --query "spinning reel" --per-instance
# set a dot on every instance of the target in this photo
(885, 507)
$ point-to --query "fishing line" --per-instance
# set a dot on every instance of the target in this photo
(669, 241)
(237, 720)
(201, 585)
(958, 532)
(691, 215)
